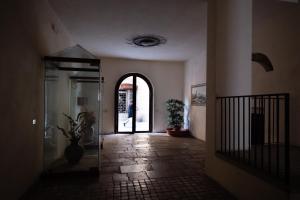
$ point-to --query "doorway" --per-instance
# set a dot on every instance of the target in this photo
(133, 104)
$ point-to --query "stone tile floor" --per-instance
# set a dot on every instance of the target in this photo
(140, 166)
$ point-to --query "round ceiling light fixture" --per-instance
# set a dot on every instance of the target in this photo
(147, 40)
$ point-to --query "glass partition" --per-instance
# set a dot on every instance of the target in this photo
(72, 110)
(142, 105)
(125, 105)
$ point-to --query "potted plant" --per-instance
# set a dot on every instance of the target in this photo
(175, 109)
(78, 127)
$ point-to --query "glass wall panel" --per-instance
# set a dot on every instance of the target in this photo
(142, 105)
(133, 104)
(72, 104)
(125, 105)
(50, 134)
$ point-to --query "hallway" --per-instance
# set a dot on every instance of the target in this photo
(140, 166)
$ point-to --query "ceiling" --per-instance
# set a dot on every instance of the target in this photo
(103, 27)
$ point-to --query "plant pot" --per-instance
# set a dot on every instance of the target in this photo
(169, 130)
(178, 132)
(177, 128)
(174, 132)
(73, 153)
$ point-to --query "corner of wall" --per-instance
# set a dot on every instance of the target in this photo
(224, 65)
(25, 39)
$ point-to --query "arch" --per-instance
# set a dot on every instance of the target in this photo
(134, 76)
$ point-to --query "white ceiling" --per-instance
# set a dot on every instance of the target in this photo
(103, 26)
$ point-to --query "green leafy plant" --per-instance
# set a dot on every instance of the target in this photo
(78, 126)
(175, 109)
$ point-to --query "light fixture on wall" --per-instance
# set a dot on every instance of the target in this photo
(147, 40)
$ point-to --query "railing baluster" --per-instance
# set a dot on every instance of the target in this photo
(287, 139)
(243, 128)
(269, 134)
(273, 120)
(239, 149)
(277, 139)
(229, 126)
(254, 121)
(273, 133)
(225, 125)
(262, 107)
(222, 125)
(233, 130)
(249, 130)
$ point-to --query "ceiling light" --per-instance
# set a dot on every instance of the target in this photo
(147, 40)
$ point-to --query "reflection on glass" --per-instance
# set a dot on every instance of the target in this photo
(125, 105)
(84, 99)
(142, 105)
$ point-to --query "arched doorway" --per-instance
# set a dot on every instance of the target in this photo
(133, 104)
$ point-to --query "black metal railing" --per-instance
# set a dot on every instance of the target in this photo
(254, 130)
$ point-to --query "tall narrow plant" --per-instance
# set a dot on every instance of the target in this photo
(175, 109)
(78, 126)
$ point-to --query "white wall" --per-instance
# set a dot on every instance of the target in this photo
(27, 36)
(276, 33)
(229, 73)
(167, 79)
(233, 56)
(195, 116)
(195, 73)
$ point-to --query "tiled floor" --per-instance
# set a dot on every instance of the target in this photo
(141, 166)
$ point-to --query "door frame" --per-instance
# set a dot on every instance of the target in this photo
(116, 121)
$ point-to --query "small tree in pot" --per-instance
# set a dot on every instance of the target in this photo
(78, 127)
(175, 109)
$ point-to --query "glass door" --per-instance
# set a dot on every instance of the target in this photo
(125, 105)
(142, 121)
(133, 104)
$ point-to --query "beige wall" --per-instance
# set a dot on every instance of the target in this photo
(166, 77)
(229, 73)
(233, 55)
(25, 37)
(276, 33)
(195, 73)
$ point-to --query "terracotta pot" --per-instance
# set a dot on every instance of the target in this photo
(177, 128)
(178, 132)
(169, 130)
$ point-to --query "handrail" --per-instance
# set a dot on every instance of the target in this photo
(254, 95)
(254, 130)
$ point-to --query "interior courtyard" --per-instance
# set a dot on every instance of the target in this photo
(149, 99)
